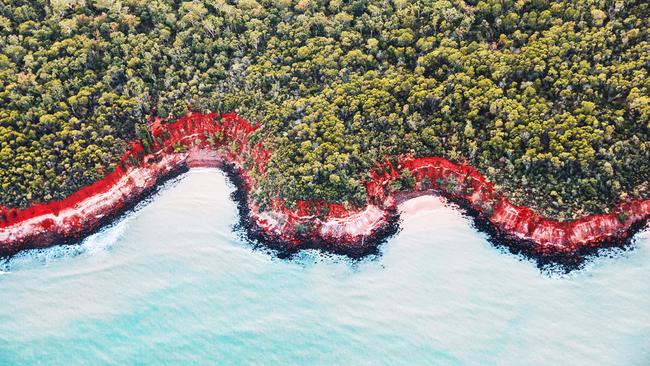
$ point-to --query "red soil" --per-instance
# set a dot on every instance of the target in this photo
(200, 140)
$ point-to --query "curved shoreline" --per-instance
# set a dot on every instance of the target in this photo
(213, 140)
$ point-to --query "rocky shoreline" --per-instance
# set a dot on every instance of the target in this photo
(212, 140)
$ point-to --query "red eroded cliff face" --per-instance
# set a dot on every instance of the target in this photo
(465, 182)
(211, 140)
(194, 140)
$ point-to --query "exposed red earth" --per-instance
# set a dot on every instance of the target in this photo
(213, 140)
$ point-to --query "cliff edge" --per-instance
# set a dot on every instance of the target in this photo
(214, 140)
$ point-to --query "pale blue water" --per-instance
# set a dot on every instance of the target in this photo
(172, 284)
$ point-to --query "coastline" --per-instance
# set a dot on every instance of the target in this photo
(212, 140)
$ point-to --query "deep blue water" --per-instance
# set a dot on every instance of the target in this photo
(173, 284)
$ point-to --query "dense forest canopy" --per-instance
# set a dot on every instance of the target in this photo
(550, 99)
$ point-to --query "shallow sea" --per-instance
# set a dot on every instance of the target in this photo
(173, 283)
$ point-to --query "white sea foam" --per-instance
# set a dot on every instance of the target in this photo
(97, 243)
(100, 242)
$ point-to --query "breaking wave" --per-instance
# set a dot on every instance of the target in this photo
(100, 242)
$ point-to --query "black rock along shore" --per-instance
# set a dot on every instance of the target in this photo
(564, 262)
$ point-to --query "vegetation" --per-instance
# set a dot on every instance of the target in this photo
(550, 99)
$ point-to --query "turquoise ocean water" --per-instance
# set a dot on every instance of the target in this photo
(173, 284)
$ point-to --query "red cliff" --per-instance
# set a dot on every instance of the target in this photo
(211, 140)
